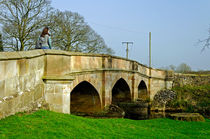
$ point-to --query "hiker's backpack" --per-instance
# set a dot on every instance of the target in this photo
(38, 43)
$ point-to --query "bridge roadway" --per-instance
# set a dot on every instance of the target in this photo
(74, 82)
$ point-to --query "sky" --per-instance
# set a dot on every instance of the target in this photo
(175, 25)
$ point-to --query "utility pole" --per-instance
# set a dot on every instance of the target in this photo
(150, 50)
(150, 65)
(127, 47)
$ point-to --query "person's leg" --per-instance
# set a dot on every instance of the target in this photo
(45, 47)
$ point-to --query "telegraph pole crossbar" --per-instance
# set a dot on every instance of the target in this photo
(127, 43)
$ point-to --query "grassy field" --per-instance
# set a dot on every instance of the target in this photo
(46, 124)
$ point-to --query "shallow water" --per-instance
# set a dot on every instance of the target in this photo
(145, 116)
(150, 115)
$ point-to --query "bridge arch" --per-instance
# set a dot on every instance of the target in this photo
(84, 98)
(121, 92)
(142, 91)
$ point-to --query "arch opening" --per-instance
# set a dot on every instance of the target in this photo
(84, 99)
(121, 92)
(142, 91)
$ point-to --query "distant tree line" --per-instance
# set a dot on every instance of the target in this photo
(23, 20)
(182, 68)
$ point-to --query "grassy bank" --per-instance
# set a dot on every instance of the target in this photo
(46, 124)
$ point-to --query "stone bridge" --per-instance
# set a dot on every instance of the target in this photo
(74, 82)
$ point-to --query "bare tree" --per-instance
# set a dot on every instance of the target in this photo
(205, 42)
(96, 44)
(68, 30)
(172, 67)
(71, 33)
(182, 68)
(20, 19)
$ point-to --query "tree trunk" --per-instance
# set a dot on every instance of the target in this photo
(21, 46)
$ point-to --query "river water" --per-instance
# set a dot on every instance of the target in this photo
(149, 115)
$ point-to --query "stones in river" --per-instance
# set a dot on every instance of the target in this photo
(114, 111)
(187, 117)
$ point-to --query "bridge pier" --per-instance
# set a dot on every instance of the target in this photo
(57, 93)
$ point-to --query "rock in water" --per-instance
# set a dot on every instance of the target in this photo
(135, 110)
(114, 111)
(187, 117)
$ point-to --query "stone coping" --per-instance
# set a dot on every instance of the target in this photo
(167, 78)
(195, 75)
(58, 77)
(60, 52)
(41, 52)
(20, 54)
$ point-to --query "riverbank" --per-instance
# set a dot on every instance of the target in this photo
(47, 124)
(192, 99)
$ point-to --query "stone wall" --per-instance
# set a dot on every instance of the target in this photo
(191, 79)
(21, 84)
(162, 97)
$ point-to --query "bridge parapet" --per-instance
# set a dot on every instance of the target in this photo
(62, 63)
(162, 74)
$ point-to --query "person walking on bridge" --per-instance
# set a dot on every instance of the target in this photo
(44, 41)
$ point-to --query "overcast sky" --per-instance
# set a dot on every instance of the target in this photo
(176, 27)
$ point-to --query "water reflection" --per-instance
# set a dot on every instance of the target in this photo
(149, 115)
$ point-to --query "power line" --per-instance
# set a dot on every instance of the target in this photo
(117, 28)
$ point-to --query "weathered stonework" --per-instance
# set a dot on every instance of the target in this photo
(21, 84)
(28, 76)
(57, 93)
(23, 101)
(191, 79)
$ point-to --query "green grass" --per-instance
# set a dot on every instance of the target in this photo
(46, 124)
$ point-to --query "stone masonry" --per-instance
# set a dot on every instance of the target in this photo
(51, 75)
